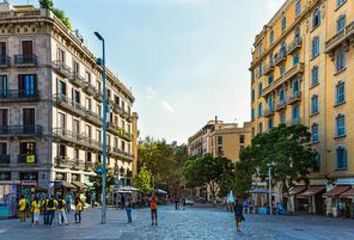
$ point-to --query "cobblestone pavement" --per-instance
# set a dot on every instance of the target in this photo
(192, 223)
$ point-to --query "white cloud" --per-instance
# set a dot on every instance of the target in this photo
(150, 93)
(167, 106)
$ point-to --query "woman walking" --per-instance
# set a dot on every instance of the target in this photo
(36, 210)
(78, 209)
(238, 210)
(128, 208)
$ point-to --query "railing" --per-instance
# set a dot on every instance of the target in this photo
(299, 68)
(294, 45)
(21, 130)
(27, 159)
(62, 68)
(4, 159)
(268, 111)
(89, 88)
(63, 162)
(294, 97)
(64, 133)
(69, 104)
(19, 95)
(89, 165)
(77, 79)
(340, 37)
(30, 59)
(268, 67)
(78, 164)
(280, 57)
(5, 61)
(280, 105)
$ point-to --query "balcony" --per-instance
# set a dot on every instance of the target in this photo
(78, 164)
(4, 160)
(295, 97)
(98, 96)
(294, 45)
(112, 128)
(20, 131)
(27, 159)
(89, 166)
(268, 68)
(67, 136)
(280, 105)
(295, 71)
(268, 112)
(62, 69)
(30, 60)
(280, 57)
(89, 89)
(93, 117)
(125, 114)
(5, 61)
(125, 135)
(344, 37)
(77, 80)
(117, 108)
(67, 104)
(19, 96)
(63, 162)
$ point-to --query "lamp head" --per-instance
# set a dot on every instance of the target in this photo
(98, 36)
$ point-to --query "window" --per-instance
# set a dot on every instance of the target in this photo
(62, 88)
(282, 96)
(314, 133)
(282, 70)
(283, 24)
(340, 125)
(315, 46)
(317, 166)
(298, 8)
(3, 149)
(98, 86)
(242, 139)
(260, 69)
(252, 113)
(60, 56)
(314, 104)
(282, 117)
(316, 18)
(271, 37)
(220, 151)
(88, 77)
(3, 118)
(29, 119)
(98, 158)
(88, 104)
(88, 157)
(27, 48)
(3, 86)
(314, 75)
(340, 60)
(3, 52)
(61, 121)
(295, 114)
(253, 132)
(296, 59)
(98, 136)
(341, 157)
(220, 140)
(76, 96)
(252, 95)
(270, 123)
(297, 34)
(341, 22)
(62, 150)
(260, 110)
(340, 3)
(270, 78)
(260, 89)
(260, 127)
(340, 93)
(27, 148)
(296, 89)
(270, 102)
(76, 154)
(76, 68)
(27, 84)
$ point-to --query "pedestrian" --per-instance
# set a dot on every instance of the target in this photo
(128, 208)
(50, 208)
(238, 211)
(245, 206)
(22, 205)
(36, 210)
(78, 209)
(250, 204)
(69, 201)
(176, 203)
(61, 211)
(44, 209)
(183, 203)
(153, 207)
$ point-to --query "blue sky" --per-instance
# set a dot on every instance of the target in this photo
(185, 60)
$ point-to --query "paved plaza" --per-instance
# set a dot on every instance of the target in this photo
(192, 223)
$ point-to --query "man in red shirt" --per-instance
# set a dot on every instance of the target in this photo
(153, 207)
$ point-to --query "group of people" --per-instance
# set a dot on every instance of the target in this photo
(153, 201)
(49, 207)
(177, 203)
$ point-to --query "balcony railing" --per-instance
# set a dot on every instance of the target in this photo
(20, 130)
(69, 104)
(269, 67)
(280, 57)
(89, 88)
(89, 166)
(113, 128)
(294, 45)
(4, 159)
(79, 164)
(280, 105)
(27, 159)
(63, 162)
(5, 61)
(116, 108)
(19, 95)
(77, 80)
(340, 37)
(294, 98)
(269, 112)
(93, 117)
(28, 60)
(62, 69)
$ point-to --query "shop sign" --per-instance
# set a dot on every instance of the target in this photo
(30, 159)
(28, 183)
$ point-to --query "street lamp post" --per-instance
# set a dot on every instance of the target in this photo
(102, 62)
(270, 188)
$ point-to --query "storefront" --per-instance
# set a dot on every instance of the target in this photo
(295, 204)
(311, 200)
(8, 199)
(334, 200)
(348, 197)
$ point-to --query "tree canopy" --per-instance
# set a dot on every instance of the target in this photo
(49, 4)
(143, 180)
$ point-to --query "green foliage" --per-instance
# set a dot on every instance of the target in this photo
(96, 181)
(48, 4)
(209, 171)
(143, 180)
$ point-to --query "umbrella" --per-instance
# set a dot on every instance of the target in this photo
(230, 197)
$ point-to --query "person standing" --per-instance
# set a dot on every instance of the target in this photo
(79, 207)
(176, 203)
(36, 210)
(22, 204)
(61, 211)
(153, 207)
(238, 211)
(50, 208)
(122, 201)
(69, 201)
(128, 209)
(44, 208)
(183, 204)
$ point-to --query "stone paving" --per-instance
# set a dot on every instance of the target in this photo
(192, 223)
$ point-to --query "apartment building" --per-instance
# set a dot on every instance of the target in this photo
(302, 71)
(51, 106)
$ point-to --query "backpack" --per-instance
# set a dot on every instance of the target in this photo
(50, 203)
(60, 204)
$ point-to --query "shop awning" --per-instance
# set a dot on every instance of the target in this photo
(67, 185)
(79, 184)
(129, 189)
(296, 189)
(336, 191)
(40, 189)
(347, 194)
(310, 191)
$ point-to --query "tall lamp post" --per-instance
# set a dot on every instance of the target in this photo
(102, 62)
(270, 166)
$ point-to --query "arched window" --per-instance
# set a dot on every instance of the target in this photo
(314, 104)
(340, 92)
(340, 125)
(341, 157)
(283, 24)
(314, 75)
(314, 133)
(315, 46)
(297, 33)
(316, 18)
(341, 23)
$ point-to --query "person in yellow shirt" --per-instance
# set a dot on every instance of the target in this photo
(61, 211)
(36, 210)
(22, 209)
(79, 207)
(50, 207)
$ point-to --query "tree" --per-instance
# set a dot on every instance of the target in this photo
(287, 149)
(207, 170)
(49, 4)
(143, 180)
(96, 181)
